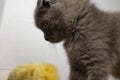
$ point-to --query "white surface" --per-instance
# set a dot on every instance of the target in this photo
(4, 74)
(21, 42)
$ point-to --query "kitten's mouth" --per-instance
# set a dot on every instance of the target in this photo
(53, 41)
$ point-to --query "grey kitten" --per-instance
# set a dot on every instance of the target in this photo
(92, 37)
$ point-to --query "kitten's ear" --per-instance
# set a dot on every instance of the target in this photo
(46, 3)
(39, 2)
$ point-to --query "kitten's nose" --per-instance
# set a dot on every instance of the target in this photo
(46, 38)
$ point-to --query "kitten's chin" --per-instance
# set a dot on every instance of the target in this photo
(54, 41)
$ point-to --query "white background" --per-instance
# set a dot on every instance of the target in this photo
(21, 42)
(1, 8)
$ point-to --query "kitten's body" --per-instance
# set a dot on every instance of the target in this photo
(95, 45)
(92, 38)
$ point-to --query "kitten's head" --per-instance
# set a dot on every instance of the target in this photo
(49, 18)
(57, 18)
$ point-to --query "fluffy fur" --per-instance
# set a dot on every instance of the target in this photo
(92, 37)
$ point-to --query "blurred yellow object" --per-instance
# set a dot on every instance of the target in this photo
(34, 71)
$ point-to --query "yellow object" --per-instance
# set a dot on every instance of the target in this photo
(34, 72)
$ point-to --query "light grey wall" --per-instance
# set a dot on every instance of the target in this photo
(21, 42)
(107, 5)
(1, 9)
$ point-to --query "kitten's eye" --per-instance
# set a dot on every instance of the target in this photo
(44, 26)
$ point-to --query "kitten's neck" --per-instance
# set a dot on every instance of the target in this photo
(83, 18)
(88, 15)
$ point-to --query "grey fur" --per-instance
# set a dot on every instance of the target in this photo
(92, 37)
